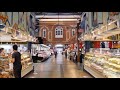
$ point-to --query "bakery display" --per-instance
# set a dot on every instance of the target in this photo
(6, 72)
(26, 60)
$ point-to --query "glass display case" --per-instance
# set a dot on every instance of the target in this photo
(5, 65)
(27, 63)
(112, 67)
(5, 72)
(40, 51)
(103, 63)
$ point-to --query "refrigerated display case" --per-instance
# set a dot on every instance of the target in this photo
(112, 68)
(104, 64)
(94, 64)
(40, 51)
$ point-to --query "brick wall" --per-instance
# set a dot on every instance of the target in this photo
(50, 32)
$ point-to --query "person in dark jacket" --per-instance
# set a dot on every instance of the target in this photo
(55, 52)
(102, 45)
(81, 58)
(65, 53)
(16, 60)
(75, 57)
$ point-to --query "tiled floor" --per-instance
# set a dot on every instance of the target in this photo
(57, 68)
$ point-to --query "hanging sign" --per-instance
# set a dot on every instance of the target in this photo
(80, 30)
(3, 18)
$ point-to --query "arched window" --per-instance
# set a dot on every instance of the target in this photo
(73, 32)
(58, 32)
(44, 33)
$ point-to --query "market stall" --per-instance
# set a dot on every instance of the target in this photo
(102, 50)
(7, 39)
(103, 63)
(25, 56)
(40, 52)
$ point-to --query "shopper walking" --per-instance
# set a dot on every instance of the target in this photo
(75, 57)
(55, 53)
(81, 59)
(68, 53)
(65, 53)
(16, 60)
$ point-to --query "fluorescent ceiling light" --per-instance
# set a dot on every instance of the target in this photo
(58, 20)
(56, 16)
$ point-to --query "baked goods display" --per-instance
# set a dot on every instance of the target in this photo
(5, 71)
(26, 60)
(6, 61)
(4, 68)
(24, 56)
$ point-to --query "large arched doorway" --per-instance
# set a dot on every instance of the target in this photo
(59, 48)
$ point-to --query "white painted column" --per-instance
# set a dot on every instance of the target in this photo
(9, 14)
(15, 18)
(25, 20)
(99, 17)
(90, 20)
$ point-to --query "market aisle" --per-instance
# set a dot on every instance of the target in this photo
(57, 68)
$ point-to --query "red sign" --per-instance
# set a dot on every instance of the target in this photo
(96, 44)
(80, 30)
(80, 45)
